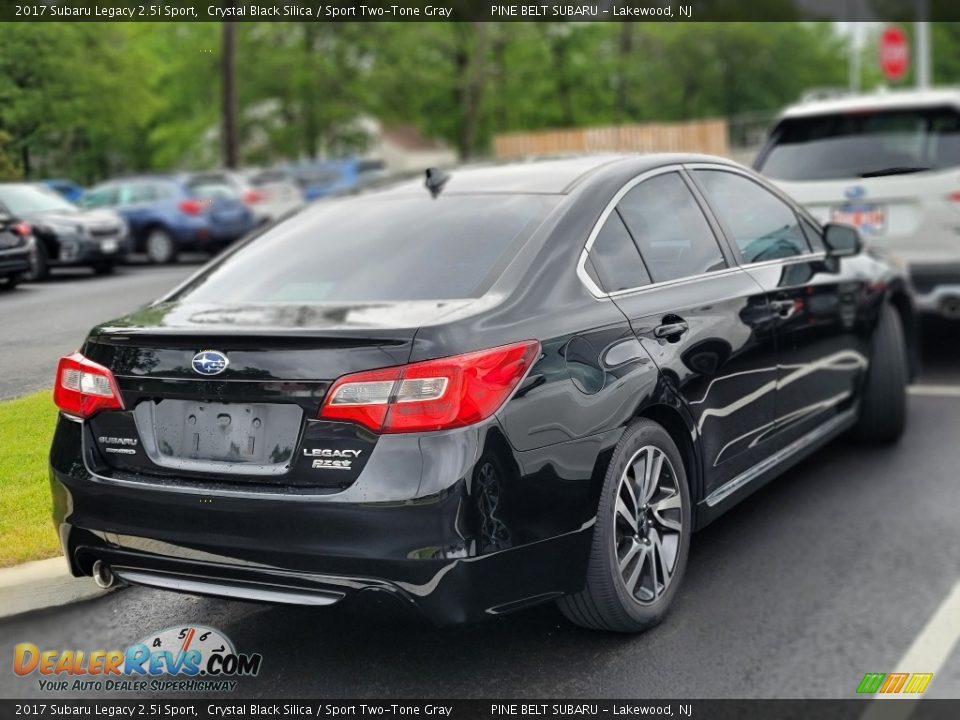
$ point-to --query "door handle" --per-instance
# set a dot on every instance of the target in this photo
(671, 330)
(784, 308)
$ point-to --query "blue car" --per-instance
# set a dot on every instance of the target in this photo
(325, 177)
(67, 188)
(168, 214)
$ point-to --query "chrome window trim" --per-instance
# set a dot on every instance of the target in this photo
(587, 281)
(599, 294)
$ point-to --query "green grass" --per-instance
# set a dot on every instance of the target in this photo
(26, 428)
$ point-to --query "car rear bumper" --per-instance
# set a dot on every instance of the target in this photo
(14, 261)
(428, 551)
(937, 288)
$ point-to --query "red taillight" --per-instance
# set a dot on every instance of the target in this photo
(84, 388)
(251, 197)
(432, 395)
(22, 229)
(955, 196)
(191, 207)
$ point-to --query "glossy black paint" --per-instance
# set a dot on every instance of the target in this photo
(493, 517)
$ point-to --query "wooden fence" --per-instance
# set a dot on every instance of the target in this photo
(702, 136)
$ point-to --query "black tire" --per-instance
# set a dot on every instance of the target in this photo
(160, 247)
(39, 264)
(104, 267)
(606, 603)
(883, 406)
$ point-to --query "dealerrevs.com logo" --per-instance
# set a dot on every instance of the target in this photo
(188, 659)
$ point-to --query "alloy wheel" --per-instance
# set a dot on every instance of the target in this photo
(649, 524)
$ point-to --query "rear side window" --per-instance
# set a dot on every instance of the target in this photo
(384, 247)
(670, 229)
(212, 191)
(763, 226)
(863, 144)
(616, 262)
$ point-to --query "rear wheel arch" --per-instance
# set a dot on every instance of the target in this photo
(141, 240)
(672, 420)
(900, 301)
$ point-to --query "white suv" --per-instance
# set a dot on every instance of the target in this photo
(888, 163)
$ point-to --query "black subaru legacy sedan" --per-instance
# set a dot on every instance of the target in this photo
(520, 384)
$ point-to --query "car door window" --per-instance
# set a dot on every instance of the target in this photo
(100, 197)
(763, 226)
(137, 193)
(615, 260)
(670, 229)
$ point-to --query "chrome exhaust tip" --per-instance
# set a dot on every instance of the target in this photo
(102, 575)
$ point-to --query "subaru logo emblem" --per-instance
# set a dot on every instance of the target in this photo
(854, 192)
(209, 362)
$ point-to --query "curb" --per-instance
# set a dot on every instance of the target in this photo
(42, 584)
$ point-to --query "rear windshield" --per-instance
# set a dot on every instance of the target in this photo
(213, 190)
(864, 144)
(378, 248)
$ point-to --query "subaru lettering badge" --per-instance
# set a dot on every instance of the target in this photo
(210, 362)
(855, 192)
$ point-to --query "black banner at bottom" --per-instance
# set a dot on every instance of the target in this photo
(859, 709)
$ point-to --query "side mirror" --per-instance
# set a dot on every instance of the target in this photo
(842, 240)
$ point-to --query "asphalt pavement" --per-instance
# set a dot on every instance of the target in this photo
(848, 564)
(40, 322)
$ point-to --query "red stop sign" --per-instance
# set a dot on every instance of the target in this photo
(894, 53)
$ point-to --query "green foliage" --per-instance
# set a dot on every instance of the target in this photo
(89, 100)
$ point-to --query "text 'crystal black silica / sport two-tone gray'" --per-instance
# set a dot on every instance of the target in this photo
(532, 384)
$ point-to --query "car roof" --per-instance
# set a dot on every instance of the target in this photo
(135, 179)
(550, 176)
(885, 100)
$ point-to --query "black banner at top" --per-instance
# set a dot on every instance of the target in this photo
(474, 10)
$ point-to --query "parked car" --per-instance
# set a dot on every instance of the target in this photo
(68, 188)
(65, 234)
(531, 383)
(325, 177)
(168, 214)
(268, 196)
(886, 163)
(15, 241)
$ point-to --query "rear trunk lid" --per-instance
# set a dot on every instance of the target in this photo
(253, 421)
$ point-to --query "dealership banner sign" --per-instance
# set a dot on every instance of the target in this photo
(462, 10)
(495, 710)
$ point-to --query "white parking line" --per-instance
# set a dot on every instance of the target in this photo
(935, 390)
(929, 651)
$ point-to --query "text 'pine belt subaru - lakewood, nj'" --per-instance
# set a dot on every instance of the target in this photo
(521, 384)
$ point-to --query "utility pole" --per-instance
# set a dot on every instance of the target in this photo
(229, 87)
(853, 41)
(924, 49)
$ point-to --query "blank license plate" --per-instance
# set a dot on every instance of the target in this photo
(226, 432)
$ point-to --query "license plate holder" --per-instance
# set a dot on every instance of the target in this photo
(109, 246)
(258, 434)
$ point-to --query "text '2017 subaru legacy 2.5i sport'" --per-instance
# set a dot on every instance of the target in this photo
(530, 383)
